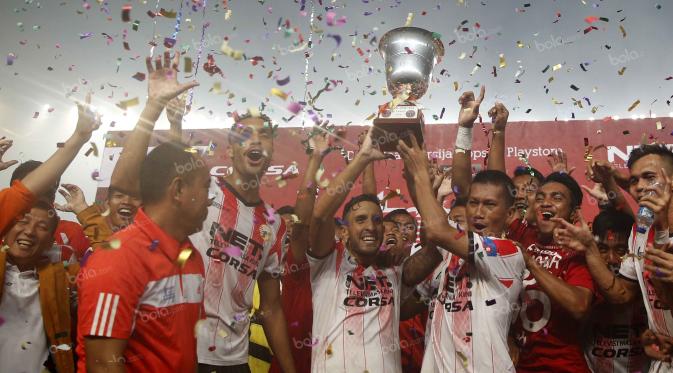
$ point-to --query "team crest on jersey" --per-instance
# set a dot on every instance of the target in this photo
(265, 232)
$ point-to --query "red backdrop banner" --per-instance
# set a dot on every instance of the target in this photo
(534, 141)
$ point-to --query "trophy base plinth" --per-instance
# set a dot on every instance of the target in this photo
(391, 126)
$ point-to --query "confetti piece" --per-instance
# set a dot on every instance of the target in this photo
(621, 29)
(184, 256)
(36, 114)
(11, 57)
(621, 71)
(634, 105)
(139, 76)
(282, 82)
(574, 88)
(126, 12)
(659, 126)
(503, 63)
(221, 333)
(294, 107)
(188, 65)
(154, 245)
(556, 67)
(115, 243)
(410, 18)
(278, 93)
(128, 103)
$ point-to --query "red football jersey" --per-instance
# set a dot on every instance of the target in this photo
(72, 240)
(298, 308)
(549, 336)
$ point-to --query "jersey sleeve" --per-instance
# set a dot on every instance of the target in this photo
(628, 266)
(109, 292)
(500, 259)
(14, 201)
(276, 257)
(326, 266)
(578, 274)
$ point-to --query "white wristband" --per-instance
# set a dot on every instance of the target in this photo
(661, 237)
(464, 138)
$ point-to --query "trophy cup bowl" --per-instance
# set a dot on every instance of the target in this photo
(410, 53)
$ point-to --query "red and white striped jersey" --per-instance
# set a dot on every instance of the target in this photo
(612, 339)
(477, 301)
(356, 315)
(239, 241)
(659, 319)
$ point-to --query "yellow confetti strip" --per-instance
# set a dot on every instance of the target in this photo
(556, 67)
(410, 18)
(659, 126)
(254, 112)
(371, 116)
(228, 51)
(184, 256)
(503, 63)
(474, 70)
(621, 29)
(463, 358)
(455, 86)
(621, 71)
(328, 352)
(222, 333)
(227, 15)
(278, 93)
(634, 105)
(519, 44)
(462, 55)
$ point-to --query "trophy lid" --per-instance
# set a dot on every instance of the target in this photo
(410, 53)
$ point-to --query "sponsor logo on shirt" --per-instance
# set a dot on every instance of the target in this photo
(251, 250)
(369, 291)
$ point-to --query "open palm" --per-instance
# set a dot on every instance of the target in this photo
(469, 107)
(163, 84)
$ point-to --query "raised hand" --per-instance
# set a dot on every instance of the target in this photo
(469, 107)
(74, 198)
(415, 158)
(163, 84)
(659, 263)
(175, 109)
(598, 193)
(320, 141)
(87, 120)
(559, 163)
(444, 189)
(371, 151)
(499, 115)
(5, 144)
(599, 171)
(579, 238)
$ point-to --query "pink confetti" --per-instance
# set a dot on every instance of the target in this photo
(294, 107)
(232, 251)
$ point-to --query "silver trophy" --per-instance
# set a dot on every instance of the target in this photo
(410, 53)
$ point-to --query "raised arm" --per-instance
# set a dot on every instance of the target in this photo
(496, 157)
(44, 177)
(303, 208)
(615, 289)
(603, 173)
(368, 176)
(163, 86)
(322, 224)
(5, 144)
(461, 176)
(437, 228)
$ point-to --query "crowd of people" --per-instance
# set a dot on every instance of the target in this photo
(178, 271)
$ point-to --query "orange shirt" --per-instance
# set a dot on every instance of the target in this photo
(14, 201)
(140, 293)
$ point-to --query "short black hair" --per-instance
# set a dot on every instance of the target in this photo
(647, 149)
(459, 202)
(570, 183)
(161, 166)
(24, 169)
(287, 209)
(528, 171)
(612, 220)
(389, 216)
(499, 178)
(358, 199)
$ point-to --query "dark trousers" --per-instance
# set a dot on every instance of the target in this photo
(205, 368)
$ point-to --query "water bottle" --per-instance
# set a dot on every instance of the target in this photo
(645, 219)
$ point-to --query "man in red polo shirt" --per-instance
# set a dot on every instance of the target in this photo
(139, 308)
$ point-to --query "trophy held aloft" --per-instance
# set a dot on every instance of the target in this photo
(409, 53)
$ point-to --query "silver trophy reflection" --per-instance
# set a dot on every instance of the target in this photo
(410, 53)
